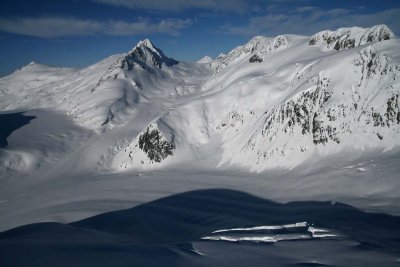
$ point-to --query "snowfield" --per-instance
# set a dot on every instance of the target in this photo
(287, 118)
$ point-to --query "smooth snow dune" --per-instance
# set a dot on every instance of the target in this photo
(170, 230)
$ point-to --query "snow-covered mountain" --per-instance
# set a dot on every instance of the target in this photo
(271, 103)
(292, 103)
(295, 125)
(347, 38)
(288, 118)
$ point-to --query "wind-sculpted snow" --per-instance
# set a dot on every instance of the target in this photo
(210, 228)
(347, 38)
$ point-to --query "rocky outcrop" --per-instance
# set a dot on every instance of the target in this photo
(346, 38)
(150, 148)
(155, 145)
(255, 58)
(303, 111)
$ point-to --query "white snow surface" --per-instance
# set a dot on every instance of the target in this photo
(301, 122)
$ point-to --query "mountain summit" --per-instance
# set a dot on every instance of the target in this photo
(147, 55)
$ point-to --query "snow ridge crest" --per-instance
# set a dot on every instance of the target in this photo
(346, 38)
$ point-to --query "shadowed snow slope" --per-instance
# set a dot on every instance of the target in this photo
(172, 229)
(9, 123)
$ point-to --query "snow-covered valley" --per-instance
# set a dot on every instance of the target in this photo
(288, 118)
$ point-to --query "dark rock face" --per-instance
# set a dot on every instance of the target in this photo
(255, 58)
(392, 113)
(345, 44)
(391, 116)
(373, 65)
(152, 143)
(147, 56)
(304, 112)
(382, 34)
(144, 54)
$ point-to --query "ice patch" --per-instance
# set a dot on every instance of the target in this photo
(259, 239)
(320, 232)
(271, 233)
(266, 227)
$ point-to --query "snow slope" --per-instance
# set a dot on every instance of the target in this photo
(289, 104)
(282, 106)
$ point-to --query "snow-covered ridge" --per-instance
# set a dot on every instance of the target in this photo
(27, 67)
(314, 109)
(330, 113)
(346, 38)
(257, 47)
(271, 103)
(205, 60)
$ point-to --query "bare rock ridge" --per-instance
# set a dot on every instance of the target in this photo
(146, 55)
(346, 38)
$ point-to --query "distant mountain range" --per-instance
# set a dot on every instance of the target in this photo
(271, 103)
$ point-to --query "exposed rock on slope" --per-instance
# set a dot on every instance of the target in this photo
(346, 38)
(258, 47)
(155, 146)
(150, 148)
